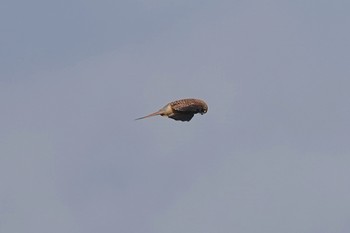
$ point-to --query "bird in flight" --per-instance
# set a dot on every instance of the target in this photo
(181, 110)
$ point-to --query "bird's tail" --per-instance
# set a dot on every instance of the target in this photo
(160, 112)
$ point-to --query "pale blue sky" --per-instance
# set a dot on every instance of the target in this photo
(271, 155)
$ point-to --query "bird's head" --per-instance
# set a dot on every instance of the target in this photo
(204, 108)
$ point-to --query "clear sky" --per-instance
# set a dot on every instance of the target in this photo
(271, 155)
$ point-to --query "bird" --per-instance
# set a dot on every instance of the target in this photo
(181, 110)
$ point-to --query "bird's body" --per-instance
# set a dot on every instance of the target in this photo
(181, 110)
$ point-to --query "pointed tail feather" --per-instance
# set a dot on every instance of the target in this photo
(151, 115)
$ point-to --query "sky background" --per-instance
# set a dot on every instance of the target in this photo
(271, 155)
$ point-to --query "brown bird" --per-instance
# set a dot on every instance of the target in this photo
(181, 110)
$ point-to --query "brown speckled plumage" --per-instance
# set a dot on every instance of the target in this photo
(181, 110)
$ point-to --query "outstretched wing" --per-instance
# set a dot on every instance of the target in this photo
(187, 106)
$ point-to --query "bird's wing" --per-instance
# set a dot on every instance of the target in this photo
(179, 116)
(187, 105)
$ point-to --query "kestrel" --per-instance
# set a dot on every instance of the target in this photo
(181, 110)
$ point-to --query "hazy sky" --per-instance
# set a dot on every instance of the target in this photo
(271, 155)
